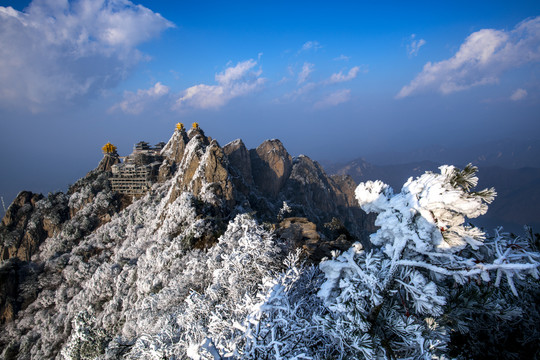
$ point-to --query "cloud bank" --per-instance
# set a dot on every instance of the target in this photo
(480, 60)
(135, 103)
(334, 99)
(235, 81)
(60, 50)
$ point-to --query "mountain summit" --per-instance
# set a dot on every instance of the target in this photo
(181, 195)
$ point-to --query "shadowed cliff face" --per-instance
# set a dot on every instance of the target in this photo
(271, 165)
(17, 239)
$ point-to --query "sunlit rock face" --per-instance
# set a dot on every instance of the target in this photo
(259, 179)
(240, 159)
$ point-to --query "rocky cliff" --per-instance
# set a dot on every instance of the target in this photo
(227, 179)
(108, 161)
(232, 178)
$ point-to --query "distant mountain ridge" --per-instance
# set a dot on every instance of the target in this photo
(506, 153)
(518, 189)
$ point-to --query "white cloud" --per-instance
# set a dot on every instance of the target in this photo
(414, 46)
(60, 50)
(235, 81)
(135, 103)
(519, 94)
(333, 99)
(311, 45)
(480, 60)
(340, 77)
(305, 89)
(342, 58)
(307, 69)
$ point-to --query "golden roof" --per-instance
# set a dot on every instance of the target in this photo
(109, 148)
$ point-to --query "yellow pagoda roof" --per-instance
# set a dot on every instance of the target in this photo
(109, 148)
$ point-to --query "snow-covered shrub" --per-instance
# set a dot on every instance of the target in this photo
(281, 325)
(285, 210)
(244, 256)
(87, 341)
(232, 272)
(53, 208)
(389, 302)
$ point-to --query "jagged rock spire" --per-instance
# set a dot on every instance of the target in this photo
(239, 157)
(174, 149)
(110, 158)
(272, 165)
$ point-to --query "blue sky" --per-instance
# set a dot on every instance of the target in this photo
(333, 80)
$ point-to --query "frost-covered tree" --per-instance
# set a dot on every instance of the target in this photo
(280, 325)
(87, 341)
(389, 303)
(234, 271)
(490, 322)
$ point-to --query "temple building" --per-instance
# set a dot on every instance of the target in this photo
(139, 170)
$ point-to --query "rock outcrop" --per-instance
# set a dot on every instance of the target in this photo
(271, 166)
(299, 232)
(109, 159)
(346, 186)
(259, 180)
(204, 171)
(174, 149)
(18, 239)
(240, 159)
(308, 184)
(212, 178)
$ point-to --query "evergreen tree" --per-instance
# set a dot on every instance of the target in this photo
(390, 302)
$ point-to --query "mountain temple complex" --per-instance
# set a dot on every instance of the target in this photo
(137, 172)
